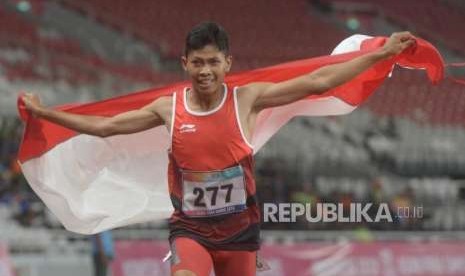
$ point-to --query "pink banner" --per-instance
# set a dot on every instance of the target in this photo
(370, 259)
(319, 259)
(140, 258)
(5, 263)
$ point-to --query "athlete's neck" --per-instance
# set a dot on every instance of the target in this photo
(204, 102)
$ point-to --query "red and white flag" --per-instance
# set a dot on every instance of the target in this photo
(92, 184)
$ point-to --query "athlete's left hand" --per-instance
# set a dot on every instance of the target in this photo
(397, 43)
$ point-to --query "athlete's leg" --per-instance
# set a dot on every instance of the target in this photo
(233, 263)
(189, 258)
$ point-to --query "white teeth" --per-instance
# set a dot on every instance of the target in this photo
(205, 82)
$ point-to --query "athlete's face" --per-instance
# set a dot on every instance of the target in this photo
(207, 68)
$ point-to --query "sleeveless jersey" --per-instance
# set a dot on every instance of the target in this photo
(210, 177)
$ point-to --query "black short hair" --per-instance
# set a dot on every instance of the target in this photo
(207, 33)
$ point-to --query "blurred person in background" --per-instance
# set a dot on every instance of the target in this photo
(103, 253)
(306, 195)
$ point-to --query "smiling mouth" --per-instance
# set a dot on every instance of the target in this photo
(205, 83)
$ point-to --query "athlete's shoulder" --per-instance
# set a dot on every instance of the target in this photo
(161, 105)
(252, 90)
(164, 101)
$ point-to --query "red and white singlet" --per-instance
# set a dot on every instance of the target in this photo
(211, 178)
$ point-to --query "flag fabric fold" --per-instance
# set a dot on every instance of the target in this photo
(92, 184)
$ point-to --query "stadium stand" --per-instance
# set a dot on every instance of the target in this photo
(238, 17)
(426, 18)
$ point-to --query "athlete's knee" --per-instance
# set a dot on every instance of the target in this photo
(184, 273)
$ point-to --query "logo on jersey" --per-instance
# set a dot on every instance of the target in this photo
(187, 128)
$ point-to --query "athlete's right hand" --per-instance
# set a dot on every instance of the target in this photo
(32, 103)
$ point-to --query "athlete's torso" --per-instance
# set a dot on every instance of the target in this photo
(211, 180)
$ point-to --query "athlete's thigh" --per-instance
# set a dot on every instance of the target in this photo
(189, 256)
(233, 263)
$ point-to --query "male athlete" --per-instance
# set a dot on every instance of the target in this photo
(216, 220)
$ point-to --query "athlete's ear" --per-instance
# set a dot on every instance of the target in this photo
(184, 62)
(228, 63)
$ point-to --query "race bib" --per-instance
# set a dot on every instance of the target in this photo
(214, 193)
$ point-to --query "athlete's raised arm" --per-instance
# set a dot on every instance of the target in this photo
(124, 123)
(274, 94)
